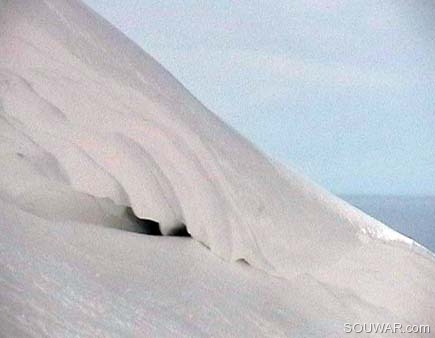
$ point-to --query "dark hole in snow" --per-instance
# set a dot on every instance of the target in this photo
(181, 231)
(152, 228)
(242, 261)
(149, 227)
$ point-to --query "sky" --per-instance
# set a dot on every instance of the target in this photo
(343, 91)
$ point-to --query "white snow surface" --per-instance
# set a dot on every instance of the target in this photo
(90, 125)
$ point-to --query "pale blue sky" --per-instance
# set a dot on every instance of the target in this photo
(342, 90)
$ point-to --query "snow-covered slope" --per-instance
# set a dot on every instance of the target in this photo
(90, 126)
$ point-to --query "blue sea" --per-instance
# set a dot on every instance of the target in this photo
(413, 216)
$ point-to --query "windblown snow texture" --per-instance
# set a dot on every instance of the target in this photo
(90, 126)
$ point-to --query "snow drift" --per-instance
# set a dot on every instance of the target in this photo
(90, 125)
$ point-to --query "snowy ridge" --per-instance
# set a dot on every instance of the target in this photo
(90, 125)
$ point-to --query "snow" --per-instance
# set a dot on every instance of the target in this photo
(90, 125)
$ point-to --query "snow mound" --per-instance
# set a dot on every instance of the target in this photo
(90, 125)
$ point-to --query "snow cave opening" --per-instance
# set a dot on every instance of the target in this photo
(152, 228)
